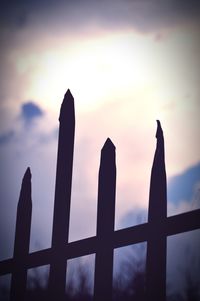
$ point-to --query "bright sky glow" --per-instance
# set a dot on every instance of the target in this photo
(154, 76)
(100, 67)
(122, 81)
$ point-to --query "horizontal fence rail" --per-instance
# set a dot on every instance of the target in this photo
(174, 225)
(154, 232)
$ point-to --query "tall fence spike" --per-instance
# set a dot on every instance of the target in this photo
(57, 276)
(156, 244)
(158, 190)
(105, 223)
(22, 240)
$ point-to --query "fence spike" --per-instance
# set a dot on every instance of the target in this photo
(22, 239)
(158, 190)
(156, 244)
(64, 170)
(105, 223)
(26, 187)
(57, 275)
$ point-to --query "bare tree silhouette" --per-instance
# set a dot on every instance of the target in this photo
(128, 285)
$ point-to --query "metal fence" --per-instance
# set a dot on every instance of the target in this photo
(154, 232)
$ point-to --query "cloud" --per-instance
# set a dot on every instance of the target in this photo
(143, 15)
(183, 195)
(30, 111)
(6, 137)
(182, 186)
(132, 218)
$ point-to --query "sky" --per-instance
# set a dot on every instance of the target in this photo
(127, 63)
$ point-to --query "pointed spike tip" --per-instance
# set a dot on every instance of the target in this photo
(158, 122)
(27, 175)
(108, 144)
(68, 94)
(67, 104)
(159, 131)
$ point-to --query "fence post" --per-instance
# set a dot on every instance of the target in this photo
(105, 223)
(22, 240)
(156, 244)
(57, 275)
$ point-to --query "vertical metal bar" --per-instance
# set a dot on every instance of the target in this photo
(156, 245)
(57, 276)
(22, 240)
(105, 223)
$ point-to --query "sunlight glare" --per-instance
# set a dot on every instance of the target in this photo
(97, 70)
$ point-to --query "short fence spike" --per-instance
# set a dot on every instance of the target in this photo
(22, 240)
(105, 223)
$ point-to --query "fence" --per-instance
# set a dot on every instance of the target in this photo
(155, 231)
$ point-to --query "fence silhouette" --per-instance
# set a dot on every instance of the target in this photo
(155, 231)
